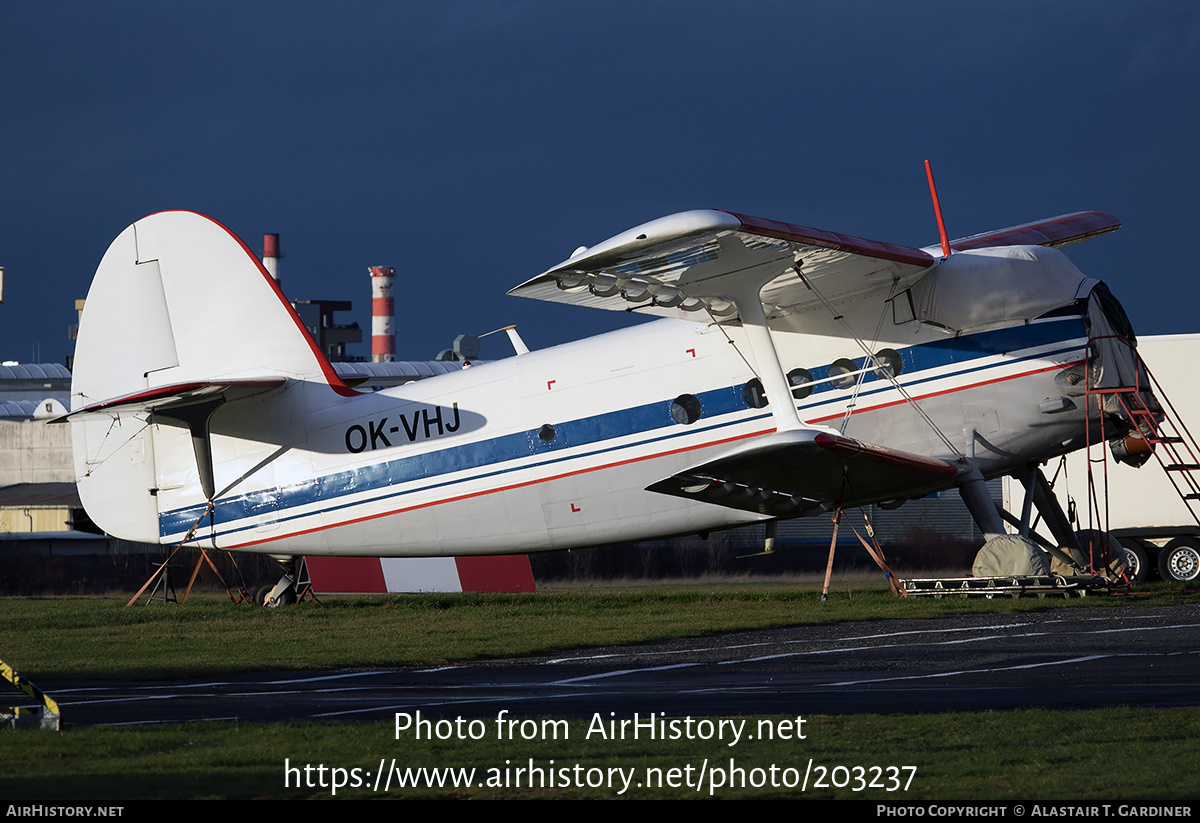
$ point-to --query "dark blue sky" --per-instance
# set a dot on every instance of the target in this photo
(471, 145)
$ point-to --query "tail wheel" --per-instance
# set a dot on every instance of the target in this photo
(1179, 560)
(261, 592)
(285, 597)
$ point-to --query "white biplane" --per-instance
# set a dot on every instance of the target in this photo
(796, 371)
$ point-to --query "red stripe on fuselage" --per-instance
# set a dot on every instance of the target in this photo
(951, 391)
(631, 460)
(509, 487)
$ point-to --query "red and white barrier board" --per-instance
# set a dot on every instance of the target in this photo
(371, 575)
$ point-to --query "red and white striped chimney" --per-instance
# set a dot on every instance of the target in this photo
(270, 255)
(383, 315)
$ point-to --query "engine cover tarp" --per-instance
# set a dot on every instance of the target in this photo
(1000, 285)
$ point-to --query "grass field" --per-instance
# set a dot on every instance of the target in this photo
(1119, 753)
(1111, 755)
(97, 637)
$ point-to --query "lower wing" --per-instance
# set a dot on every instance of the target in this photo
(796, 473)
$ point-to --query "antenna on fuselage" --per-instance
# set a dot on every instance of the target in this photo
(937, 210)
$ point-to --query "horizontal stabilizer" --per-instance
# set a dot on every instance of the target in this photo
(178, 396)
(795, 473)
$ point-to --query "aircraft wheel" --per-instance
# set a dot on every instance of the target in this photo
(1009, 555)
(260, 593)
(262, 596)
(1137, 562)
(1106, 552)
(1179, 560)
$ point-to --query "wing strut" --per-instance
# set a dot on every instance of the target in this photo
(908, 398)
(196, 417)
(746, 296)
(744, 289)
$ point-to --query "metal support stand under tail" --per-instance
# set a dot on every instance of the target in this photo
(161, 575)
(163, 589)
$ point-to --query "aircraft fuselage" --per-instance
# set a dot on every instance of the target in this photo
(554, 449)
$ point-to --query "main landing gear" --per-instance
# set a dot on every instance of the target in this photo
(1027, 553)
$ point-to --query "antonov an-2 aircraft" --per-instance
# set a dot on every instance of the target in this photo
(795, 372)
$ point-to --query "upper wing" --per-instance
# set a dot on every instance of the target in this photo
(1055, 232)
(673, 266)
(794, 473)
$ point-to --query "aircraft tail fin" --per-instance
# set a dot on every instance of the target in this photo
(177, 298)
(179, 308)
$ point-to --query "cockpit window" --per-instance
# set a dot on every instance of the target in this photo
(1076, 309)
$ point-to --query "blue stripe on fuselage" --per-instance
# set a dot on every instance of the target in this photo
(591, 430)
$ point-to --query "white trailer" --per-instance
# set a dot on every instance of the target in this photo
(1157, 528)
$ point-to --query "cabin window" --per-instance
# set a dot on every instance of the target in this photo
(801, 382)
(546, 433)
(685, 409)
(841, 373)
(888, 363)
(753, 394)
